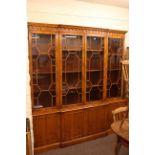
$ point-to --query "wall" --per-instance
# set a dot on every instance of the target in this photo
(72, 12)
(127, 40)
(28, 98)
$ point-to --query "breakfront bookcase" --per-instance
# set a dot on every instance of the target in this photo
(76, 81)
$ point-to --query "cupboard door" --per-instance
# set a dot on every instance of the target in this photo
(94, 70)
(46, 129)
(43, 70)
(72, 125)
(71, 69)
(114, 77)
(97, 120)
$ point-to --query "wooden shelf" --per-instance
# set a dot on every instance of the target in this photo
(72, 87)
(94, 86)
(71, 72)
(116, 69)
(95, 70)
(43, 73)
(72, 50)
(91, 50)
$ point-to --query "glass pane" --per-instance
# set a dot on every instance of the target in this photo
(72, 61)
(43, 63)
(72, 69)
(73, 79)
(114, 76)
(44, 81)
(114, 90)
(35, 51)
(71, 42)
(114, 61)
(115, 45)
(35, 54)
(72, 97)
(95, 53)
(95, 43)
(45, 99)
(95, 93)
(94, 77)
(52, 90)
(43, 68)
(114, 67)
(36, 92)
(42, 42)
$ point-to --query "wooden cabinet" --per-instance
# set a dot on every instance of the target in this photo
(76, 80)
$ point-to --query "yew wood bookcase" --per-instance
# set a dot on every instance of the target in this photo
(76, 81)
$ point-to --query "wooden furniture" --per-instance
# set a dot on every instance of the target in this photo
(125, 69)
(126, 55)
(76, 81)
(122, 131)
(28, 138)
(120, 127)
(120, 113)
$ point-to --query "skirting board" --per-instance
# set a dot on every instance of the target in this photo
(71, 142)
(86, 138)
(46, 148)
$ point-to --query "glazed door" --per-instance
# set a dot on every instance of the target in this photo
(72, 51)
(114, 74)
(43, 70)
(94, 68)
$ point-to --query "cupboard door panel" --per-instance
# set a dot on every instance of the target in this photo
(92, 118)
(72, 125)
(39, 127)
(52, 128)
(46, 129)
(102, 118)
(97, 120)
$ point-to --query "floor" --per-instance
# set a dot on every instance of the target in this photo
(100, 146)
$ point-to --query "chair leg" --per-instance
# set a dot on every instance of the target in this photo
(118, 146)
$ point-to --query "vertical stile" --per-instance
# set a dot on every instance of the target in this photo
(122, 78)
(105, 65)
(57, 69)
(84, 61)
(30, 66)
(60, 68)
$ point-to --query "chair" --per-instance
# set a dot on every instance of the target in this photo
(120, 114)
